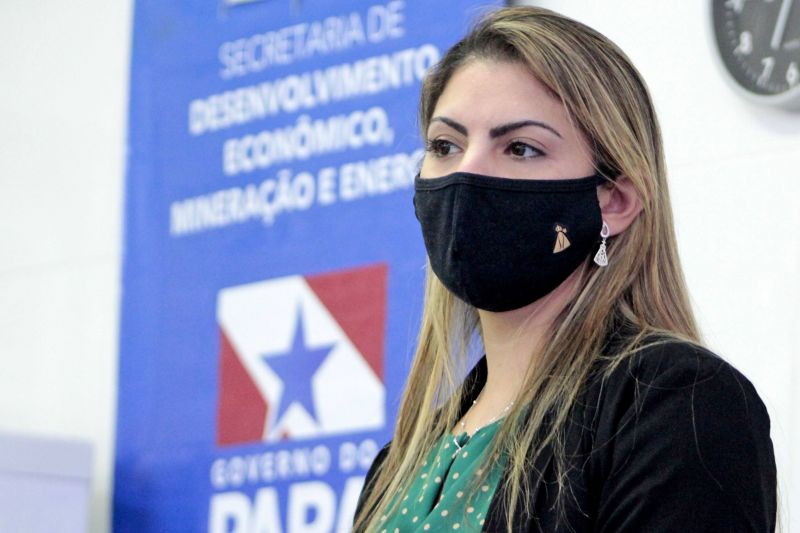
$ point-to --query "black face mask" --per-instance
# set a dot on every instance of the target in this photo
(501, 243)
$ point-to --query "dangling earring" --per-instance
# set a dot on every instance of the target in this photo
(600, 257)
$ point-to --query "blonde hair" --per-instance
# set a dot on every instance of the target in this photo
(643, 284)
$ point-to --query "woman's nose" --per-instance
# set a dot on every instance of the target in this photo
(476, 160)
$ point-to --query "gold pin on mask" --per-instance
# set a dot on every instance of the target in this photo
(562, 243)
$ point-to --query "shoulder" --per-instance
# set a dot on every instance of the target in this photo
(680, 387)
(674, 371)
(681, 421)
(377, 462)
(369, 480)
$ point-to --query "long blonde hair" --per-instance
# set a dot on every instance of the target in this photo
(643, 284)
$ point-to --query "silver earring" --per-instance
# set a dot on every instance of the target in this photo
(601, 258)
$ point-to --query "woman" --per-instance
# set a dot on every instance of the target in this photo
(545, 214)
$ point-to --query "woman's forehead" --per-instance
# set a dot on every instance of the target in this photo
(483, 90)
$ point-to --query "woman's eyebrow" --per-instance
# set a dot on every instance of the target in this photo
(499, 131)
(460, 128)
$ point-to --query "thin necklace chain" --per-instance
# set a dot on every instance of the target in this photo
(462, 424)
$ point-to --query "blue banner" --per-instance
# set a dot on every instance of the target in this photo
(273, 267)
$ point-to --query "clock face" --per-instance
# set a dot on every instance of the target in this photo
(759, 41)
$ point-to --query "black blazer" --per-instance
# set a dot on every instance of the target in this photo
(674, 440)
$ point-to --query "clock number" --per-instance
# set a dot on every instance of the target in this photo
(737, 5)
(769, 64)
(792, 74)
(758, 43)
(745, 45)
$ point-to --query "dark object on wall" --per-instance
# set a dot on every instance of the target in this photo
(759, 44)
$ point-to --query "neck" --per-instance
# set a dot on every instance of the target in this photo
(513, 341)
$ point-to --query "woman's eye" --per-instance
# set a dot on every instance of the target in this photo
(441, 147)
(523, 150)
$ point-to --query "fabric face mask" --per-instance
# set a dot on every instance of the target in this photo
(501, 243)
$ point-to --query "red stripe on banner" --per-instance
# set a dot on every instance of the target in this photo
(241, 410)
(357, 300)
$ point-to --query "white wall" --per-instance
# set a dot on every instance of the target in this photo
(63, 91)
(734, 178)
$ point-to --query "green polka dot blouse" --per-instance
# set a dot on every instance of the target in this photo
(443, 496)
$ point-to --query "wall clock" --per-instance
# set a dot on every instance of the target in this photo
(759, 44)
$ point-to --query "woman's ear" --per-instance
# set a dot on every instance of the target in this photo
(619, 204)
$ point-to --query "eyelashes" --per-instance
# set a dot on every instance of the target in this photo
(519, 150)
(522, 150)
(439, 147)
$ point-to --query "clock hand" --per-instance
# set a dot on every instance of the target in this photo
(780, 25)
